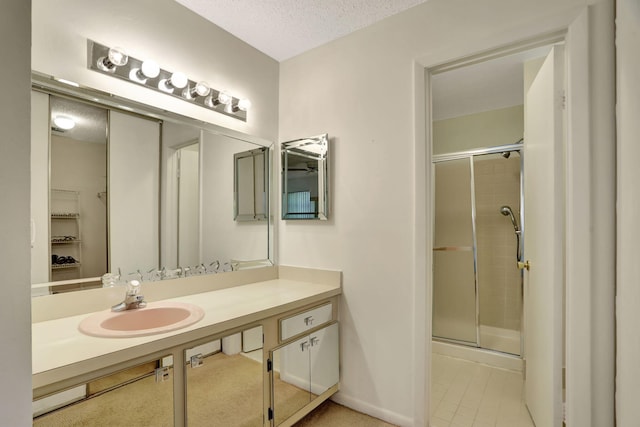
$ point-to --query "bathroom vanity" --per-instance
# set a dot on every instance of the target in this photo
(265, 353)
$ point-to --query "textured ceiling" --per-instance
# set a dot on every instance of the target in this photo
(91, 122)
(285, 28)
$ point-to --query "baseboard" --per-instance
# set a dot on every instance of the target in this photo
(374, 411)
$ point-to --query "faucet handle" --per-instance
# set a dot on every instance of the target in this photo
(133, 287)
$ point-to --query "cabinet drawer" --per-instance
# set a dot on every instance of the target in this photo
(304, 321)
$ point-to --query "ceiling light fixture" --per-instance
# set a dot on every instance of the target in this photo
(64, 122)
(115, 63)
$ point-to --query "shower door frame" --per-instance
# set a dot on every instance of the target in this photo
(470, 154)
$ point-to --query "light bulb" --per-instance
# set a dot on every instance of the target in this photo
(244, 104)
(178, 80)
(64, 122)
(200, 89)
(150, 69)
(224, 98)
(115, 58)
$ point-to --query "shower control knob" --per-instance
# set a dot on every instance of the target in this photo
(524, 265)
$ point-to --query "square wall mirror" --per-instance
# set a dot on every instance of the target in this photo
(305, 171)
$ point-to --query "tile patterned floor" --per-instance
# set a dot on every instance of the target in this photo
(468, 394)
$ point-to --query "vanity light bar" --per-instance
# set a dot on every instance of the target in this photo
(113, 62)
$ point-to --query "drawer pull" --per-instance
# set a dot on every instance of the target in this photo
(314, 341)
(308, 320)
(304, 346)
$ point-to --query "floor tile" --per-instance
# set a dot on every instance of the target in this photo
(469, 394)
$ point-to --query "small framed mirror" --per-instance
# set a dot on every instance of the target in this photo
(251, 183)
(305, 171)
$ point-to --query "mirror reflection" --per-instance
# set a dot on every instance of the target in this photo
(305, 191)
(250, 186)
(224, 381)
(78, 190)
(135, 193)
(147, 387)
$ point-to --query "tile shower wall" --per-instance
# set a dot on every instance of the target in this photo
(497, 183)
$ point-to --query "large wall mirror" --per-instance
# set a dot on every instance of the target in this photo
(118, 187)
(305, 170)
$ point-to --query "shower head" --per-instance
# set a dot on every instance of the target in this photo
(506, 211)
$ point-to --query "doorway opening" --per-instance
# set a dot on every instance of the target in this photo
(483, 130)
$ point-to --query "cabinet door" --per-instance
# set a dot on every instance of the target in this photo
(224, 384)
(141, 395)
(324, 356)
(303, 370)
(290, 383)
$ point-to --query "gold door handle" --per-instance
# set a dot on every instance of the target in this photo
(524, 265)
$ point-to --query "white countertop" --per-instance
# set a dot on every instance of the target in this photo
(61, 351)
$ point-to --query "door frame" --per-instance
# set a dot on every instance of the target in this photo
(590, 190)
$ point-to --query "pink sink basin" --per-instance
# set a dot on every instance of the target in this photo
(155, 318)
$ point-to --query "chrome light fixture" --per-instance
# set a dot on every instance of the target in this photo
(115, 62)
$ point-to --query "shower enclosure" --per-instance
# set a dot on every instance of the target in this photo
(477, 286)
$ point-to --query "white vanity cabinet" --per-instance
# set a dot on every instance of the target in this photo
(303, 371)
(233, 368)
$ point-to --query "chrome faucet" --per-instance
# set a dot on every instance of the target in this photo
(133, 299)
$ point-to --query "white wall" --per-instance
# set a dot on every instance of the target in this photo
(628, 291)
(15, 313)
(162, 29)
(360, 89)
(486, 129)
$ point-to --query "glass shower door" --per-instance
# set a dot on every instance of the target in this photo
(454, 286)
(497, 181)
